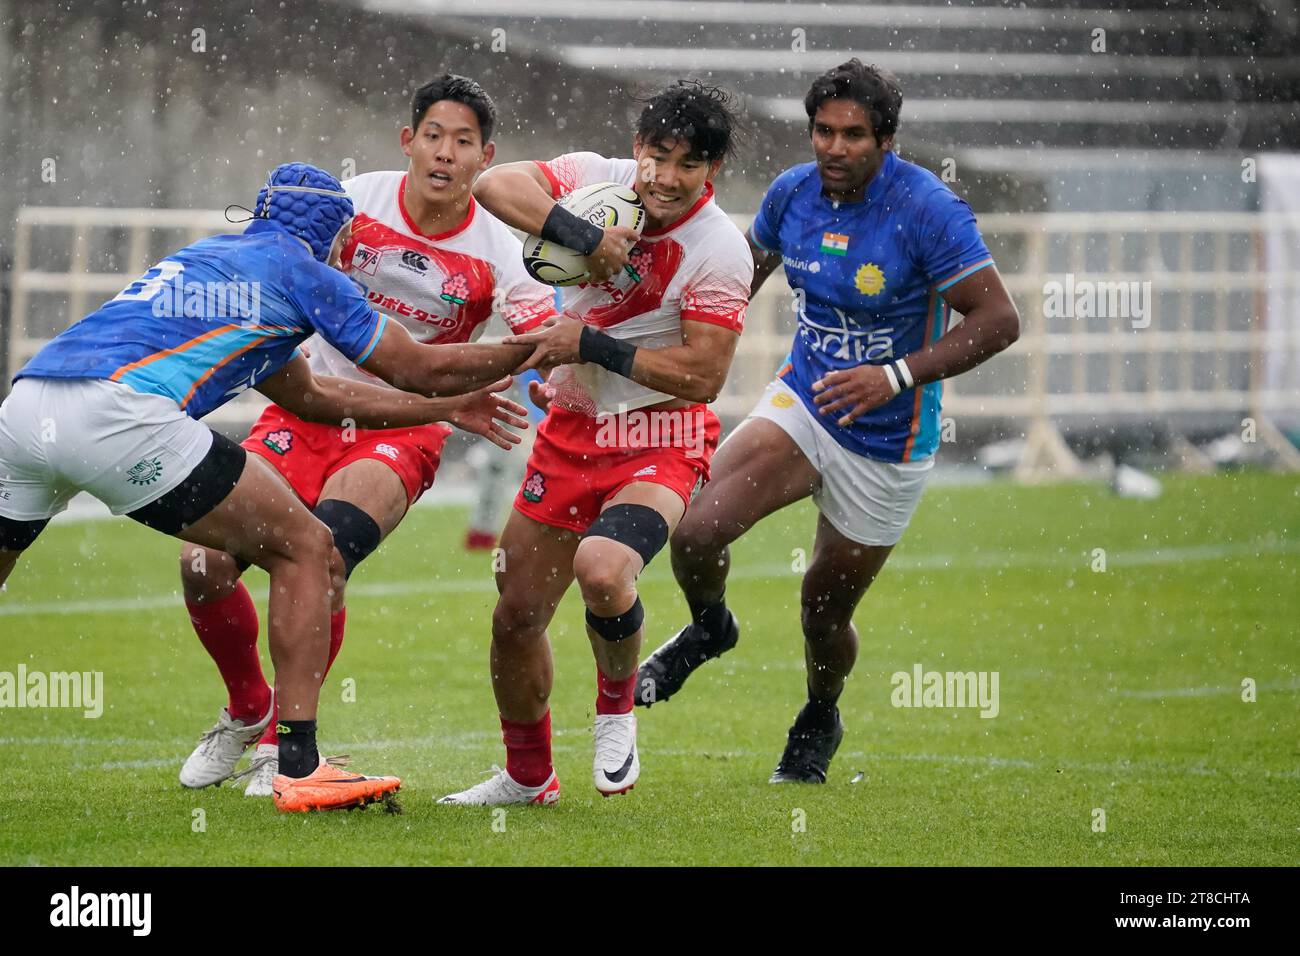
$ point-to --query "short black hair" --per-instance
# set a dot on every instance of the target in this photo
(458, 89)
(704, 116)
(876, 89)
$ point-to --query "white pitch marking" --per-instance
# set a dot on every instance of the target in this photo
(992, 561)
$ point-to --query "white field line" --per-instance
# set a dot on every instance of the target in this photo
(847, 763)
(992, 561)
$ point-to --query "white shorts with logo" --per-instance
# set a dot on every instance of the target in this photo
(60, 436)
(865, 500)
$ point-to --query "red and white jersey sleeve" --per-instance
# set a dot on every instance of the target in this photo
(697, 269)
(575, 170)
(442, 288)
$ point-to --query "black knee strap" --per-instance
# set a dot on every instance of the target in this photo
(640, 527)
(618, 627)
(355, 533)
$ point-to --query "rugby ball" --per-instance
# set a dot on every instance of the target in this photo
(605, 204)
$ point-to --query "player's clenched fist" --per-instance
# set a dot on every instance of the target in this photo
(611, 255)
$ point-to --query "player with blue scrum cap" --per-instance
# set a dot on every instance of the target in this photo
(879, 253)
(111, 406)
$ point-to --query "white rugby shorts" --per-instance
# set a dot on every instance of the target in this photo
(867, 501)
(61, 436)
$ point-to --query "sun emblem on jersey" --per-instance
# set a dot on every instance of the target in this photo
(869, 280)
(455, 289)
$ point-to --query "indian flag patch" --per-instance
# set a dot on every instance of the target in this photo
(835, 244)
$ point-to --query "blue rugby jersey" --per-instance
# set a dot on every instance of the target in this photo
(868, 277)
(214, 319)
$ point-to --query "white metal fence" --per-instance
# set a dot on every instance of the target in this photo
(1160, 317)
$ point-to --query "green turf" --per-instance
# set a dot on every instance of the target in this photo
(1118, 690)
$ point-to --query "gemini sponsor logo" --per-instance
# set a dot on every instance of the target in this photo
(75, 908)
(83, 690)
(946, 689)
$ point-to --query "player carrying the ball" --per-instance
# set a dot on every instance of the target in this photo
(111, 406)
(433, 262)
(880, 253)
(642, 348)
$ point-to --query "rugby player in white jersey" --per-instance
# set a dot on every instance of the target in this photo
(641, 350)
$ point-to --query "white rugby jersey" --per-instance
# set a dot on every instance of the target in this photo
(442, 288)
(698, 268)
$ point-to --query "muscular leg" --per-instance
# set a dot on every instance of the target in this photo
(757, 470)
(263, 522)
(7, 561)
(607, 571)
(839, 574)
(537, 570)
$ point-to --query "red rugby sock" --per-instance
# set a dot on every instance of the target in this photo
(614, 696)
(228, 631)
(528, 750)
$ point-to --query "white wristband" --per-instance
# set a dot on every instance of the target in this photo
(905, 373)
(893, 379)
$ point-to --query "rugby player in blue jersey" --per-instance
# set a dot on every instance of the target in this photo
(879, 254)
(111, 406)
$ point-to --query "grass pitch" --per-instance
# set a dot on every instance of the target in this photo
(1121, 690)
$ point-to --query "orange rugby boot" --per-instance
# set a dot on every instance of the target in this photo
(330, 787)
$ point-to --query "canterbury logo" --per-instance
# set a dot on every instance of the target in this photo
(415, 260)
(282, 729)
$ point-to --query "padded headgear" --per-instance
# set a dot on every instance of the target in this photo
(308, 202)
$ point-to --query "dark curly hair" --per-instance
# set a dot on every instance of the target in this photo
(705, 116)
(875, 88)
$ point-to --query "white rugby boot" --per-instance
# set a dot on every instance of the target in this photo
(501, 789)
(220, 748)
(617, 764)
(261, 770)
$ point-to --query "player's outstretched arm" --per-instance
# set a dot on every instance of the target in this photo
(332, 401)
(440, 370)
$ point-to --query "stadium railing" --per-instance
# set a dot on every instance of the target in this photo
(1168, 318)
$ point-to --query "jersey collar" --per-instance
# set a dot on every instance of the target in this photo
(410, 223)
(695, 207)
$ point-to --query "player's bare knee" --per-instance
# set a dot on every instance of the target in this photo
(824, 620)
(605, 573)
(207, 575)
(698, 536)
(515, 622)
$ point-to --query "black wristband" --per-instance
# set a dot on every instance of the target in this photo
(607, 351)
(564, 228)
